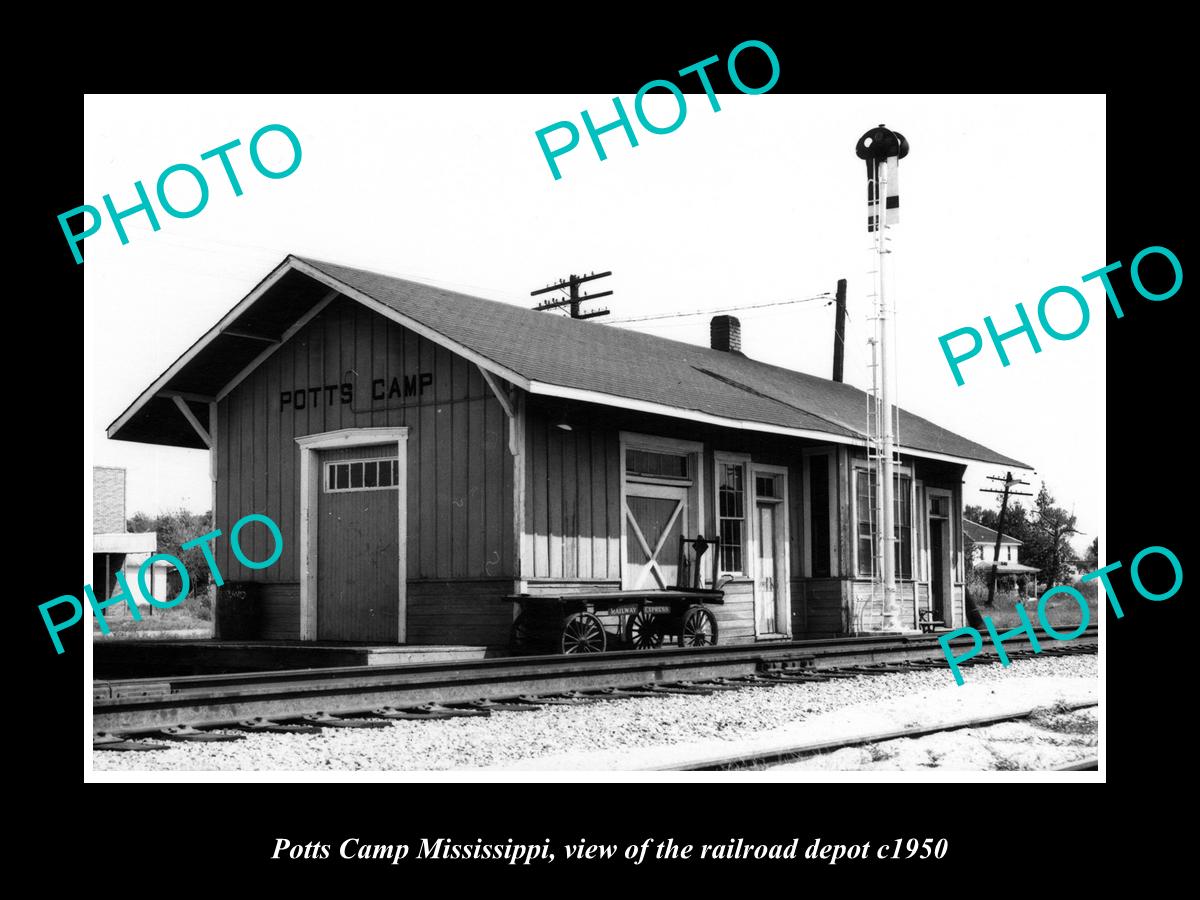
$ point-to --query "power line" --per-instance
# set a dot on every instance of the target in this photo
(825, 295)
(574, 298)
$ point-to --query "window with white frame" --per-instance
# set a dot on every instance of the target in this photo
(866, 527)
(768, 486)
(652, 465)
(362, 475)
(731, 513)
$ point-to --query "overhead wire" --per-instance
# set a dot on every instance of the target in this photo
(825, 295)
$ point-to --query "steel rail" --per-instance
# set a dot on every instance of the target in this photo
(1086, 765)
(789, 753)
(147, 705)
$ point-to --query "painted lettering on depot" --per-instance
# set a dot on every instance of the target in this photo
(402, 386)
(998, 338)
(1084, 618)
(622, 120)
(303, 398)
(414, 386)
(185, 581)
(185, 170)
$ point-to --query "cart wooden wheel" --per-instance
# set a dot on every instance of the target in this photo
(643, 631)
(518, 636)
(583, 633)
(698, 629)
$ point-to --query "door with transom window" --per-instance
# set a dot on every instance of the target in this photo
(772, 609)
(358, 586)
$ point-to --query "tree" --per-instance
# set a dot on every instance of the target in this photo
(1048, 547)
(1091, 558)
(175, 529)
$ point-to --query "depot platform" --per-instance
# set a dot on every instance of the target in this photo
(117, 658)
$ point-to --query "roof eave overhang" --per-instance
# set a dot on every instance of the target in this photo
(662, 409)
(336, 287)
(192, 352)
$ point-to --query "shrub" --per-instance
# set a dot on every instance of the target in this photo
(201, 605)
(1089, 589)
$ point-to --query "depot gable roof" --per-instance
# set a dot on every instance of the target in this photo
(541, 353)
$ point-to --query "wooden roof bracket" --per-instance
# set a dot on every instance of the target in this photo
(508, 402)
(192, 420)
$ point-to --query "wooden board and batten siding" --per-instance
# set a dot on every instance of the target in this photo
(460, 547)
(572, 506)
(573, 512)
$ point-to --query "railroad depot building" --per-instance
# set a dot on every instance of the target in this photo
(427, 453)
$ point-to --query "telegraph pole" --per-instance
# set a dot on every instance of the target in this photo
(882, 149)
(839, 330)
(573, 299)
(1009, 481)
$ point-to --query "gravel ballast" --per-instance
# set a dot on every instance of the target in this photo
(655, 731)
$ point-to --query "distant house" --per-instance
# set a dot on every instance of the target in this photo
(116, 550)
(982, 544)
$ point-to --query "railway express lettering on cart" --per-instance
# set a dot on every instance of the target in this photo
(1084, 618)
(185, 582)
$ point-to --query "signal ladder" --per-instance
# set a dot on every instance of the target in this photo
(875, 458)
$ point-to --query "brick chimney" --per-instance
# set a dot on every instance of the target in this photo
(725, 333)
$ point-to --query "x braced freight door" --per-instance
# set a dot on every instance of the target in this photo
(655, 515)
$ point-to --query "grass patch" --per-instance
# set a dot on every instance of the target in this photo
(1004, 763)
(878, 754)
(179, 618)
(1062, 611)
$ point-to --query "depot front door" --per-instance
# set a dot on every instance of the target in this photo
(358, 545)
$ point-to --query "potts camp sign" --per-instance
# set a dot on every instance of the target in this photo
(359, 393)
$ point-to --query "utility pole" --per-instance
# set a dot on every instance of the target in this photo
(882, 149)
(573, 298)
(839, 330)
(1009, 481)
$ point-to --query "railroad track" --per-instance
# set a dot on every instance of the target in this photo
(226, 707)
(1087, 765)
(776, 755)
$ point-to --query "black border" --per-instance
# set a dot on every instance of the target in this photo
(231, 827)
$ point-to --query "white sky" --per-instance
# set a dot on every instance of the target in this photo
(760, 202)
